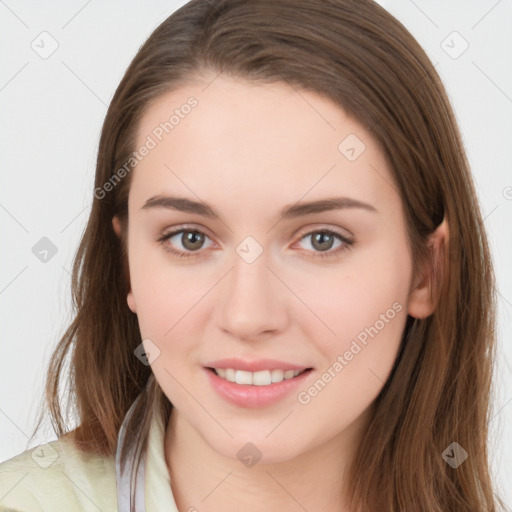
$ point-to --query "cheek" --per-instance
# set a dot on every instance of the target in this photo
(164, 291)
(357, 361)
(165, 308)
(365, 298)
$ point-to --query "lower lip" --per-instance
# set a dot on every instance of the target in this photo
(250, 396)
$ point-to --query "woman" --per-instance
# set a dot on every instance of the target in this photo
(284, 293)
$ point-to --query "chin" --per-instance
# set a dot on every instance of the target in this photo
(251, 449)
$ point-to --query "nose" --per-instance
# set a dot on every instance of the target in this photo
(253, 301)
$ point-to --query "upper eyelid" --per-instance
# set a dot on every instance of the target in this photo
(190, 227)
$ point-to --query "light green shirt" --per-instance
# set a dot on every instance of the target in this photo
(55, 477)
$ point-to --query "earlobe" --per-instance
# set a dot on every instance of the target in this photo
(422, 302)
(116, 225)
(130, 299)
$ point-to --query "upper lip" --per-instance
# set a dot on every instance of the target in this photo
(255, 365)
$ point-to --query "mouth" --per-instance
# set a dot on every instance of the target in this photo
(256, 389)
(259, 378)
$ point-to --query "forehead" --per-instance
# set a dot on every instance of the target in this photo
(270, 141)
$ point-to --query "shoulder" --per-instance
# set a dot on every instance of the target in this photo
(57, 476)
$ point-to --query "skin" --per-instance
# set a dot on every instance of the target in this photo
(248, 150)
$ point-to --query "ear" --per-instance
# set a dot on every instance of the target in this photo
(116, 224)
(130, 299)
(422, 303)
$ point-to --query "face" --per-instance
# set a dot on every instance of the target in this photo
(321, 289)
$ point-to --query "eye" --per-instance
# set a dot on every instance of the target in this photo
(191, 240)
(323, 240)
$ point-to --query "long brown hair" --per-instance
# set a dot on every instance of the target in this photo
(362, 58)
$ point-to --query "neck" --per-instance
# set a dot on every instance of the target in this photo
(204, 480)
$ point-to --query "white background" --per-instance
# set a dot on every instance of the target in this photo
(51, 115)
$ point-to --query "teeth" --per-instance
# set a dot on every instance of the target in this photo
(288, 374)
(261, 378)
(277, 375)
(243, 377)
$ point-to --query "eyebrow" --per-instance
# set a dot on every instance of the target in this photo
(288, 212)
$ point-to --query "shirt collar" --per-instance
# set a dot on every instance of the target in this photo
(158, 483)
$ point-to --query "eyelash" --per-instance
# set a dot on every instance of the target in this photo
(347, 244)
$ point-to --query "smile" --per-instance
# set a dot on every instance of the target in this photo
(256, 389)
